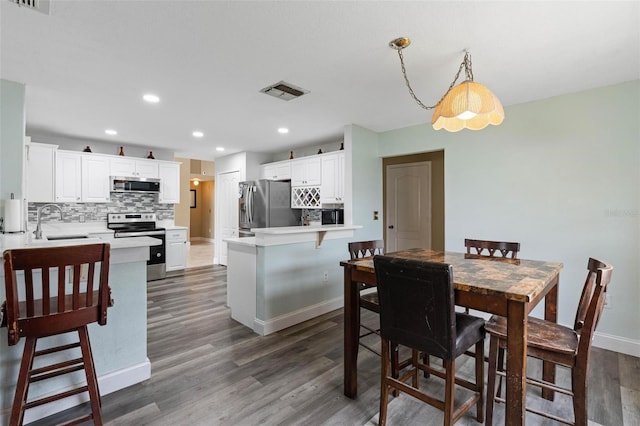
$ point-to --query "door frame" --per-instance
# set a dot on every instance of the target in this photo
(437, 159)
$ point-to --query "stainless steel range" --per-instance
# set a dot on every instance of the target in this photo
(142, 225)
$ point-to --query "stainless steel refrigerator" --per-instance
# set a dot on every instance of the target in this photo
(266, 204)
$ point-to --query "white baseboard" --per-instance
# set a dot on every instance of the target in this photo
(108, 383)
(296, 317)
(617, 344)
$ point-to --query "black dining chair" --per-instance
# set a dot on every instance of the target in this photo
(417, 310)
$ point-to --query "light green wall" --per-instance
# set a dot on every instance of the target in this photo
(290, 276)
(365, 182)
(560, 175)
(12, 132)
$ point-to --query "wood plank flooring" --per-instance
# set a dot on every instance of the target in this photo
(209, 370)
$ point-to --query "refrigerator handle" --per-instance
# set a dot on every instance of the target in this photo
(250, 204)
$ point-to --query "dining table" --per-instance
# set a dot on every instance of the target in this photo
(507, 287)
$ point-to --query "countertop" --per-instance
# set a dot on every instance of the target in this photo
(294, 234)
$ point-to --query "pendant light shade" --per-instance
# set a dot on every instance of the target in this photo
(469, 105)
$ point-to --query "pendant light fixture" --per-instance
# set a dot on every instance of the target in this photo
(469, 105)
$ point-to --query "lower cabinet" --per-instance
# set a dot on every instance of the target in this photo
(176, 242)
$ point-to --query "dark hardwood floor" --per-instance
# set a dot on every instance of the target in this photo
(209, 370)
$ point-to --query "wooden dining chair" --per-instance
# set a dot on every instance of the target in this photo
(417, 310)
(369, 299)
(492, 250)
(548, 341)
(51, 291)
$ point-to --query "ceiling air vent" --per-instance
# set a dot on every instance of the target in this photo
(42, 6)
(285, 91)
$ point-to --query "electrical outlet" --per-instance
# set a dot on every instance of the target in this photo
(607, 300)
(325, 276)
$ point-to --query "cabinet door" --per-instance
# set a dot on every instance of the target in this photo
(68, 177)
(314, 171)
(40, 173)
(283, 170)
(306, 172)
(332, 189)
(329, 176)
(268, 171)
(125, 167)
(169, 183)
(95, 179)
(176, 249)
(147, 169)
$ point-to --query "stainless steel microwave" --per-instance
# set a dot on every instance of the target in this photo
(134, 184)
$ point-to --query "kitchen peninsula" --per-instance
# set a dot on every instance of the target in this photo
(119, 348)
(284, 276)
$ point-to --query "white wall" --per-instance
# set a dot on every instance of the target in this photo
(12, 127)
(561, 176)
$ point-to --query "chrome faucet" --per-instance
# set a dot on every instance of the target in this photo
(38, 231)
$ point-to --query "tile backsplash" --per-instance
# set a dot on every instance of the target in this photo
(91, 212)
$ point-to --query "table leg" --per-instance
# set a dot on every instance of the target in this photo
(550, 314)
(516, 363)
(351, 331)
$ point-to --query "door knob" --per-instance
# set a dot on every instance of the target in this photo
(390, 226)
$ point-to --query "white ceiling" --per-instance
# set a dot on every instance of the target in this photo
(87, 64)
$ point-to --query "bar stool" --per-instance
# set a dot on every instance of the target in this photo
(79, 295)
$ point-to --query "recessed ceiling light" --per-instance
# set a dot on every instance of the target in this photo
(198, 134)
(151, 98)
(111, 132)
(219, 149)
(283, 130)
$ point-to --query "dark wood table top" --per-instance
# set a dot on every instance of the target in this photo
(520, 280)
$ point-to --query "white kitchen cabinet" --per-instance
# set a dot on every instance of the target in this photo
(306, 172)
(68, 177)
(332, 188)
(130, 167)
(176, 254)
(279, 170)
(40, 172)
(169, 173)
(95, 178)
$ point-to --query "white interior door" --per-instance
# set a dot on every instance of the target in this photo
(227, 184)
(408, 209)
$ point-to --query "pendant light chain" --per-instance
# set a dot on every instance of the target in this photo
(466, 64)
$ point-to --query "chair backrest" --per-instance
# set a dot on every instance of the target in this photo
(493, 248)
(52, 290)
(417, 306)
(360, 249)
(591, 303)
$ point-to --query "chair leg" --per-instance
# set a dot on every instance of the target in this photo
(480, 380)
(449, 390)
(384, 388)
(90, 373)
(579, 387)
(491, 379)
(22, 387)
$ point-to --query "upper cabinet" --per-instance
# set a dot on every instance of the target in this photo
(130, 167)
(280, 170)
(332, 188)
(40, 172)
(95, 178)
(306, 172)
(81, 177)
(54, 175)
(68, 176)
(169, 182)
